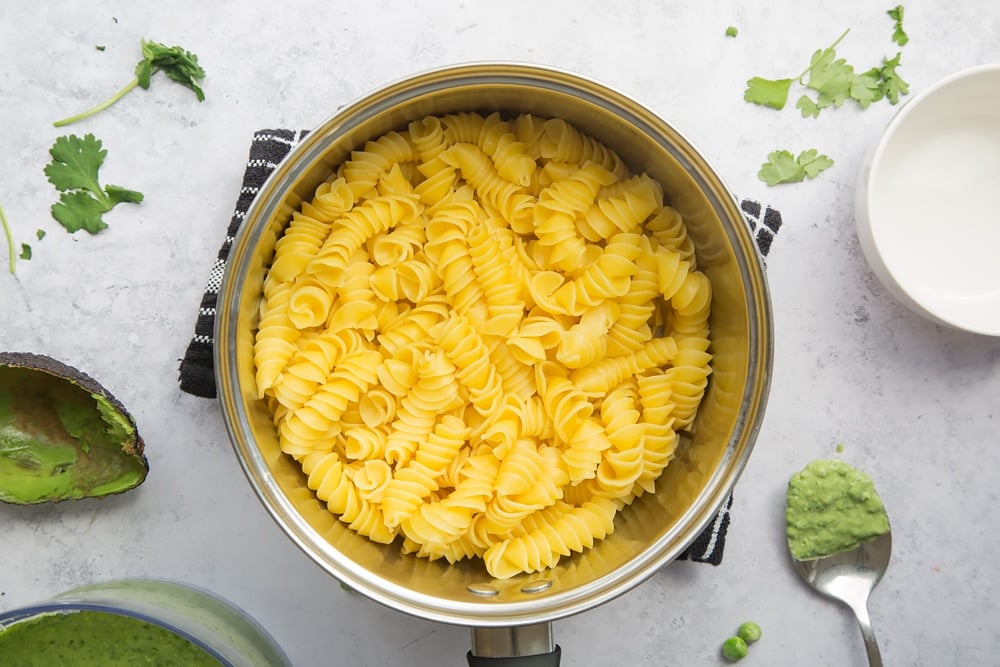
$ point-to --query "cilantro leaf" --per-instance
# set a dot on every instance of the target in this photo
(768, 92)
(74, 172)
(807, 107)
(40, 234)
(25, 251)
(175, 62)
(890, 83)
(79, 210)
(865, 89)
(75, 162)
(898, 34)
(813, 163)
(178, 64)
(732, 31)
(830, 77)
(118, 194)
(783, 167)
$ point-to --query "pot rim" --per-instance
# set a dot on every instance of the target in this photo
(708, 503)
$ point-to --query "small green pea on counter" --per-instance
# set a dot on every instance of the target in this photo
(736, 647)
(748, 632)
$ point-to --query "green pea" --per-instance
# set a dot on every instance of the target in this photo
(749, 632)
(734, 648)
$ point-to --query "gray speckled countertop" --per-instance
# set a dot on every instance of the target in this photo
(913, 404)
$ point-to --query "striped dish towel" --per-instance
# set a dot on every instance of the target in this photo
(268, 148)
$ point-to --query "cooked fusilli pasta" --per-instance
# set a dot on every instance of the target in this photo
(480, 338)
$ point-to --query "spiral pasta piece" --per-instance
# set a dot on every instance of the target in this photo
(354, 228)
(561, 141)
(276, 338)
(607, 278)
(564, 530)
(298, 245)
(331, 200)
(504, 306)
(510, 200)
(435, 391)
(362, 172)
(557, 209)
(623, 207)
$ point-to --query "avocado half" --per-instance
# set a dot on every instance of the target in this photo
(62, 435)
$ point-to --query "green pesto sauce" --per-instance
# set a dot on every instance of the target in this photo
(830, 508)
(87, 638)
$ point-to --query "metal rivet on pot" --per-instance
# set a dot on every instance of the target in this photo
(536, 586)
(483, 590)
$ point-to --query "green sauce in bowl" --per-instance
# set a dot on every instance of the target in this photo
(85, 638)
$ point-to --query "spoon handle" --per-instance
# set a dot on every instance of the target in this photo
(874, 657)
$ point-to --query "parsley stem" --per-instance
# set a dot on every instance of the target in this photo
(10, 238)
(830, 48)
(100, 107)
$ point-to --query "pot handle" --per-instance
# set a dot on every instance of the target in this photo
(538, 660)
(521, 646)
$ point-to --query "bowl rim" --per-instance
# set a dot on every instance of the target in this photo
(868, 228)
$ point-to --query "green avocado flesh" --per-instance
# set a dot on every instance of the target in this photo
(59, 441)
(831, 508)
(98, 639)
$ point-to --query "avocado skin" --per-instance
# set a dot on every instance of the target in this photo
(135, 447)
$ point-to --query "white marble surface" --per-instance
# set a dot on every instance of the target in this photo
(914, 404)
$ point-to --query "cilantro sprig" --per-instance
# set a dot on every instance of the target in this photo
(774, 92)
(74, 172)
(175, 62)
(783, 167)
(829, 82)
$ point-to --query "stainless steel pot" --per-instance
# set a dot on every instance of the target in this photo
(512, 617)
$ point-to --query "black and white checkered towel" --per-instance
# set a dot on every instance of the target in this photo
(268, 148)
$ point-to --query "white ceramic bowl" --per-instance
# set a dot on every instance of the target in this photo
(927, 207)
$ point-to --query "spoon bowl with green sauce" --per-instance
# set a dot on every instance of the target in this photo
(839, 537)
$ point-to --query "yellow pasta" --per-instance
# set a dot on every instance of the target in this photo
(480, 338)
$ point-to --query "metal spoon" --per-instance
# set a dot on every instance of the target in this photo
(849, 577)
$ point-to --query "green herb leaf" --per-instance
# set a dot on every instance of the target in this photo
(865, 89)
(830, 77)
(25, 251)
(890, 83)
(74, 172)
(813, 163)
(40, 233)
(75, 163)
(768, 92)
(79, 210)
(898, 34)
(808, 108)
(176, 63)
(783, 167)
(731, 31)
(118, 194)
(99, 47)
